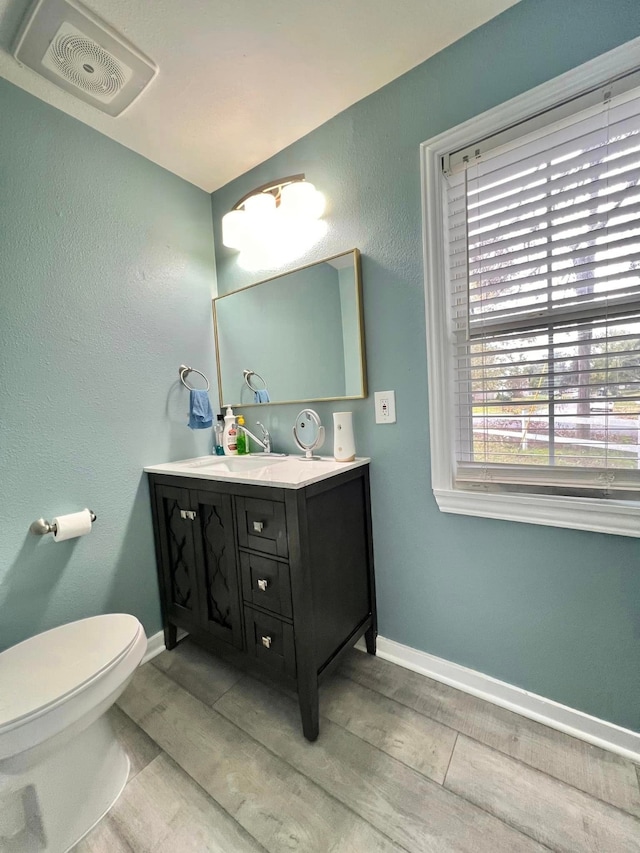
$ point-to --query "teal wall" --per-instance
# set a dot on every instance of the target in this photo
(554, 611)
(106, 277)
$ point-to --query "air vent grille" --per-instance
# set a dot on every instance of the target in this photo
(85, 64)
(67, 44)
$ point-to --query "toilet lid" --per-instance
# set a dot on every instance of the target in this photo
(41, 671)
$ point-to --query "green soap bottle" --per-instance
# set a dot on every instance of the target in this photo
(242, 441)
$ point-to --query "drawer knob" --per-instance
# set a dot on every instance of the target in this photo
(263, 584)
(258, 526)
(266, 642)
(187, 514)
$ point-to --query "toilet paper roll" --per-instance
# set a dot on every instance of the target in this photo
(72, 525)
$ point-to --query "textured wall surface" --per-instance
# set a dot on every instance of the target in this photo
(106, 276)
(554, 611)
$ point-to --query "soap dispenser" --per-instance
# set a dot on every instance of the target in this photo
(230, 434)
(242, 441)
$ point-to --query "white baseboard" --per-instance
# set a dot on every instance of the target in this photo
(155, 646)
(576, 723)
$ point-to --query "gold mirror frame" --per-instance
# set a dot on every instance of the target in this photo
(359, 313)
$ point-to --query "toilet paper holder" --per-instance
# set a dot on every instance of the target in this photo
(41, 527)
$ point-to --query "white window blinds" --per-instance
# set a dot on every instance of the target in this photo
(543, 239)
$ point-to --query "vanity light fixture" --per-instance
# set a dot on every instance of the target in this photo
(274, 222)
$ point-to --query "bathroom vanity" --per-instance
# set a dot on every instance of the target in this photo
(270, 557)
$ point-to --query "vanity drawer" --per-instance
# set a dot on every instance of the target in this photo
(262, 526)
(266, 583)
(270, 640)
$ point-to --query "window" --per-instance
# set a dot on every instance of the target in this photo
(533, 305)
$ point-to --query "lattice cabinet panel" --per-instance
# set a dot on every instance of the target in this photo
(176, 543)
(216, 553)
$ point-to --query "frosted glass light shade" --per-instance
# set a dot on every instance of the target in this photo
(260, 206)
(301, 199)
(319, 204)
(234, 229)
(270, 230)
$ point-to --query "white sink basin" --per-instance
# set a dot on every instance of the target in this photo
(237, 464)
(284, 472)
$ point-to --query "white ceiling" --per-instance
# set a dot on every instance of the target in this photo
(241, 79)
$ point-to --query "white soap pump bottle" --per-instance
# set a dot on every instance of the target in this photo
(230, 434)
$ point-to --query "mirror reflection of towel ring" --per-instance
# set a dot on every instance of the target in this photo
(248, 374)
(185, 371)
(308, 433)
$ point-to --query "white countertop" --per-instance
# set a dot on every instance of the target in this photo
(283, 472)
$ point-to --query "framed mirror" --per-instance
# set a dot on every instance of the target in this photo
(294, 338)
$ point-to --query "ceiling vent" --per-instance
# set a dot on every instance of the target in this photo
(66, 43)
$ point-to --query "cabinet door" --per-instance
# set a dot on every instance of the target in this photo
(177, 557)
(218, 572)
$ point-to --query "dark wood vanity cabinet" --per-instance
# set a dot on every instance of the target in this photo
(284, 576)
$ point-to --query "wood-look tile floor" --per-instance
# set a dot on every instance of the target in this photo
(403, 763)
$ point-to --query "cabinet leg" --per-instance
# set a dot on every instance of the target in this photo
(308, 700)
(170, 636)
(370, 640)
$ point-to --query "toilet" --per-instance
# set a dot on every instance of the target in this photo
(61, 767)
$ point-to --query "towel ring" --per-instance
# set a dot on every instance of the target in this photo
(184, 370)
(247, 378)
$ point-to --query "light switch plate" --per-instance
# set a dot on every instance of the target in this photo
(385, 402)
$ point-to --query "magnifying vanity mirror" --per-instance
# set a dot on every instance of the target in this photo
(308, 433)
(295, 338)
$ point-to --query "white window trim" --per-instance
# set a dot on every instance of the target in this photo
(600, 515)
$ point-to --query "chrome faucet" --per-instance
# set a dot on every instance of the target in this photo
(264, 442)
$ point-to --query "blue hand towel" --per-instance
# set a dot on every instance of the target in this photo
(200, 412)
(261, 396)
